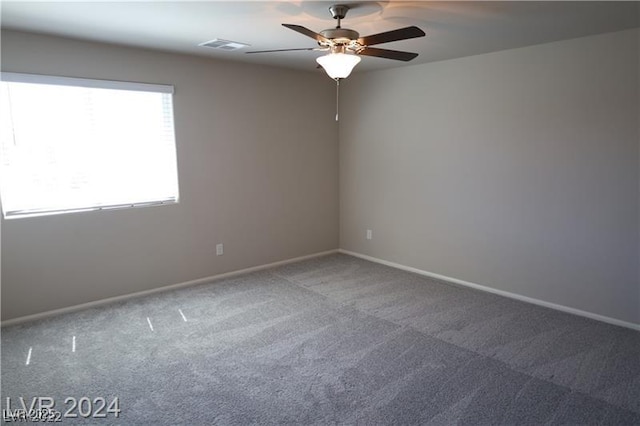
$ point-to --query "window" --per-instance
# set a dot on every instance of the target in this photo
(72, 144)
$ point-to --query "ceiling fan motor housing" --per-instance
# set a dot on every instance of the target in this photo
(340, 35)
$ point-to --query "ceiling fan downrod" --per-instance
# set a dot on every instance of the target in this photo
(339, 11)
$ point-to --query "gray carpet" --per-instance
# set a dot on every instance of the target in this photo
(332, 340)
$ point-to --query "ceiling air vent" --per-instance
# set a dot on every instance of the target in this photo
(218, 43)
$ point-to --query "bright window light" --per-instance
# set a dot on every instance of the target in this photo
(72, 144)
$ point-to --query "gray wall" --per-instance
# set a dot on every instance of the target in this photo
(516, 170)
(258, 169)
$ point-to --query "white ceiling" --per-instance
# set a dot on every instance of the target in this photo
(454, 29)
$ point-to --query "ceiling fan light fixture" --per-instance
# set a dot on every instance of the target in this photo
(338, 65)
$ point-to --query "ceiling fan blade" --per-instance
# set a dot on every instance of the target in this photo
(281, 50)
(388, 54)
(306, 31)
(395, 35)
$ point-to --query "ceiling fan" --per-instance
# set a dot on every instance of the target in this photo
(345, 46)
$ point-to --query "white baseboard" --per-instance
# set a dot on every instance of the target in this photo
(516, 296)
(213, 278)
(124, 297)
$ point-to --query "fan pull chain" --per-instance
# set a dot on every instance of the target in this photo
(337, 99)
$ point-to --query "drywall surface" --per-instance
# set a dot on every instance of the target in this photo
(638, 122)
(516, 170)
(258, 169)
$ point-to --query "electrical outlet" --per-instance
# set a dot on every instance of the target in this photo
(219, 249)
(369, 234)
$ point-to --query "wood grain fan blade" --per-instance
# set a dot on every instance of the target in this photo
(388, 54)
(395, 35)
(306, 31)
(281, 50)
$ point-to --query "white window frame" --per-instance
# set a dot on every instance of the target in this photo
(101, 84)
